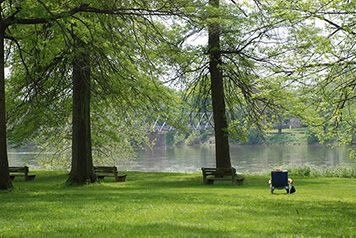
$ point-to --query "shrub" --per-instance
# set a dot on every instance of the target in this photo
(300, 170)
(179, 139)
(341, 171)
(308, 170)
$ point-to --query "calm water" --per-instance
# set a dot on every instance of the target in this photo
(246, 159)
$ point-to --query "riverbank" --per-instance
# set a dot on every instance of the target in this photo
(177, 205)
(297, 136)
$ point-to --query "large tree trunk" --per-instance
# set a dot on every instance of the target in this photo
(222, 149)
(5, 181)
(82, 171)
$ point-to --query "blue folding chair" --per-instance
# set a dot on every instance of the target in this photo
(280, 181)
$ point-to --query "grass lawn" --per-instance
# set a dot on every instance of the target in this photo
(177, 205)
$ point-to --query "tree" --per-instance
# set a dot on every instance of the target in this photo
(82, 170)
(9, 17)
(337, 62)
(222, 151)
(5, 182)
(321, 64)
(149, 91)
(236, 68)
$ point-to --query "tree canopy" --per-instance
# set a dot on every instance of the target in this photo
(258, 62)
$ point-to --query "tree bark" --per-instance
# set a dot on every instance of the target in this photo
(82, 171)
(280, 124)
(222, 148)
(5, 181)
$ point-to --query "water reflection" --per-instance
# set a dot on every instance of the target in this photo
(246, 159)
(22, 157)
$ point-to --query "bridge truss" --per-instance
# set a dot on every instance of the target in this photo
(191, 121)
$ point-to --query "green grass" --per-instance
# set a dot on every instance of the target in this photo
(177, 205)
(294, 130)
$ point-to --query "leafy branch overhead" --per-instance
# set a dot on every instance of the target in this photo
(251, 63)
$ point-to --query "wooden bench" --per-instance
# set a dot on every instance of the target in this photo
(109, 171)
(21, 172)
(220, 174)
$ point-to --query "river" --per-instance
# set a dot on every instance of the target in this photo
(246, 159)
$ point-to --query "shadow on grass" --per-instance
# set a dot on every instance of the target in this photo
(152, 229)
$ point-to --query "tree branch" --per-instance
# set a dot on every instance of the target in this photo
(86, 8)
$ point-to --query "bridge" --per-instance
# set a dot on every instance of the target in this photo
(191, 121)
